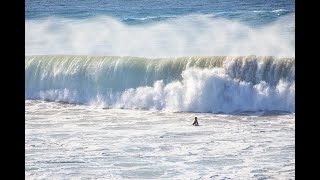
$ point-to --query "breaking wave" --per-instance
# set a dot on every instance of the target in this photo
(195, 84)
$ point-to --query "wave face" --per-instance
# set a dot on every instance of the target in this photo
(190, 35)
(199, 84)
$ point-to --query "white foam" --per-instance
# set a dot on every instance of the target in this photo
(66, 141)
(210, 91)
(279, 10)
(199, 84)
(182, 36)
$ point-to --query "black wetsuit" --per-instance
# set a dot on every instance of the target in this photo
(195, 123)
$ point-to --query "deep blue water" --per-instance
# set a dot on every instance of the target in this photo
(252, 12)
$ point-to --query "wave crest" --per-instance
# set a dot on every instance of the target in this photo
(198, 84)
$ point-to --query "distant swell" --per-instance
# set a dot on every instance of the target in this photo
(197, 84)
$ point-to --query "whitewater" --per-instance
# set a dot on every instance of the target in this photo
(112, 89)
(189, 84)
(120, 117)
(70, 141)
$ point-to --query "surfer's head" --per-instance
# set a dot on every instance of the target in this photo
(195, 118)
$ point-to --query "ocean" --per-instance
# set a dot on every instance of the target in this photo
(112, 89)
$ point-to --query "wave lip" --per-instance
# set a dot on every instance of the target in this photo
(198, 84)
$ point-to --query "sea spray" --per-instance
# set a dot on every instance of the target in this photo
(198, 84)
(191, 35)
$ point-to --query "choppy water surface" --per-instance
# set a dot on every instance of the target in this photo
(65, 141)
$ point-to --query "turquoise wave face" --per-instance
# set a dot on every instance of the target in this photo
(224, 31)
(200, 84)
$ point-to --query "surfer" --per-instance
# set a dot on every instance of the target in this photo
(195, 122)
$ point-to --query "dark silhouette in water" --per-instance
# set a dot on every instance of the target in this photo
(195, 122)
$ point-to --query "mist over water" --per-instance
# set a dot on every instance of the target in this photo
(189, 35)
(224, 66)
(112, 88)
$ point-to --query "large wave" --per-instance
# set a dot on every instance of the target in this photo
(198, 84)
(191, 35)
